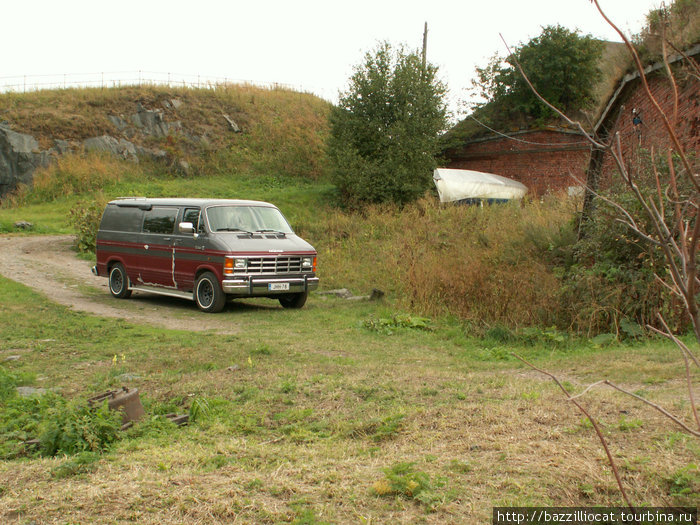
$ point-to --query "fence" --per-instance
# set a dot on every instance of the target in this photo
(25, 83)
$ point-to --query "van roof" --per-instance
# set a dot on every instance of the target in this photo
(136, 201)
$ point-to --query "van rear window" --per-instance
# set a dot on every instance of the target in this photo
(160, 220)
(121, 219)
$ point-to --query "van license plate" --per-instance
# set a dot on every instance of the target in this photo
(278, 287)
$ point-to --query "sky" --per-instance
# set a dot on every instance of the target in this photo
(309, 45)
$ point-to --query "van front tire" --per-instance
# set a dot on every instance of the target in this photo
(293, 300)
(208, 294)
(119, 282)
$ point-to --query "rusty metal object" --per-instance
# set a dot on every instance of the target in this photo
(126, 399)
(179, 420)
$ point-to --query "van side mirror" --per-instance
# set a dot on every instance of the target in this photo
(186, 228)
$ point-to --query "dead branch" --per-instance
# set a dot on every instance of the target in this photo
(654, 406)
(578, 405)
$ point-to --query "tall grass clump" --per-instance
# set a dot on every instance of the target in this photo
(71, 174)
(490, 265)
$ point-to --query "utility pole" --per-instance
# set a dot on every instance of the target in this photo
(425, 43)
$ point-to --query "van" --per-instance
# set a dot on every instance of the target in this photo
(205, 250)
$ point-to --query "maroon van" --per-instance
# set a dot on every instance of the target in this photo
(205, 250)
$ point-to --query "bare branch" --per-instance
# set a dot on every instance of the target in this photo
(656, 407)
(669, 335)
(613, 465)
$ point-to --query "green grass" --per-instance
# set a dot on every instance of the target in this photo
(311, 409)
(298, 199)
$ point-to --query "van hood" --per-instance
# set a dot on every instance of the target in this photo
(236, 242)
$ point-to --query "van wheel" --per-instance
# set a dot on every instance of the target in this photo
(208, 294)
(119, 282)
(293, 300)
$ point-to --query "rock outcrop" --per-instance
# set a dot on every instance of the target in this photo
(19, 158)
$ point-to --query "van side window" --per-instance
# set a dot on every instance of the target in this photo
(117, 218)
(159, 220)
(192, 215)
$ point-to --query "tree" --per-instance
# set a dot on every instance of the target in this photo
(385, 129)
(561, 64)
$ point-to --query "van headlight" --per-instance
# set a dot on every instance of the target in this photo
(307, 262)
(232, 264)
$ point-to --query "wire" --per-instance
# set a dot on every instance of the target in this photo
(527, 141)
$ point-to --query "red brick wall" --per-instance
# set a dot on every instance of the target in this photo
(544, 164)
(651, 132)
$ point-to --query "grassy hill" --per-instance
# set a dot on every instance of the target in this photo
(282, 131)
(276, 156)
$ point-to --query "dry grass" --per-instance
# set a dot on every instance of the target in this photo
(299, 431)
(72, 174)
(486, 265)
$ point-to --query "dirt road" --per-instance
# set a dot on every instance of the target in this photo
(49, 265)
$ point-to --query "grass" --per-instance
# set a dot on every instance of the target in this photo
(283, 131)
(298, 198)
(312, 417)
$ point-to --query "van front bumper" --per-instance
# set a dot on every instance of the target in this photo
(261, 285)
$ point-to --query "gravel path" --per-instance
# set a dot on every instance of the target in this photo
(49, 265)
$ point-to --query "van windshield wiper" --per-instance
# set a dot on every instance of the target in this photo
(270, 231)
(234, 230)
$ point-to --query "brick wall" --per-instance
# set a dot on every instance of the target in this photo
(650, 131)
(543, 163)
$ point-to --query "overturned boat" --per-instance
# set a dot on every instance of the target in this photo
(469, 187)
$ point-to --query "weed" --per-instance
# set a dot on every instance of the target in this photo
(388, 428)
(288, 386)
(199, 409)
(625, 424)
(460, 466)
(685, 481)
(388, 325)
(215, 462)
(403, 480)
(72, 427)
(587, 490)
(531, 396)
(602, 340)
(261, 349)
(81, 463)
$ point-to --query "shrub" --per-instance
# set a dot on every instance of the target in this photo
(610, 285)
(85, 218)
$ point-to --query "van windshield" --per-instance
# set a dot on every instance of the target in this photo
(247, 219)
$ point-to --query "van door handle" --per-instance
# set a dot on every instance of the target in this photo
(166, 238)
(199, 247)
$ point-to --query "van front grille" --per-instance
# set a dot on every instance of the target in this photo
(272, 265)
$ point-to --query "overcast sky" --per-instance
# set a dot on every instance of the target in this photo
(311, 45)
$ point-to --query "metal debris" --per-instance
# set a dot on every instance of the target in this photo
(125, 399)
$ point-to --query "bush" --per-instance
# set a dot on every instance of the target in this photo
(85, 218)
(610, 285)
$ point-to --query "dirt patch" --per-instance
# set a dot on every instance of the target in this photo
(48, 265)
